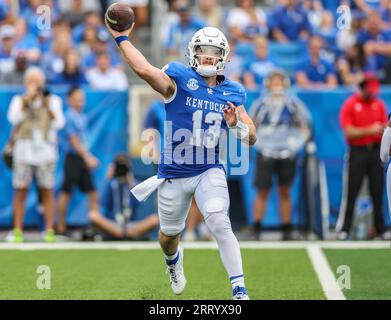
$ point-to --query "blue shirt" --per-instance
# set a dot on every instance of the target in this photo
(180, 35)
(383, 36)
(318, 72)
(259, 68)
(155, 118)
(3, 11)
(194, 122)
(115, 197)
(76, 124)
(290, 21)
(29, 41)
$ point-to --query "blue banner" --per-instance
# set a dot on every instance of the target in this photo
(108, 135)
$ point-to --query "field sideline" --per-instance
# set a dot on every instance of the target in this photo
(273, 270)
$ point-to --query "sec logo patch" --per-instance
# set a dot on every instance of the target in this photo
(192, 84)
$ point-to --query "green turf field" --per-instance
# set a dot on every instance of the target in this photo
(370, 271)
(140, 274)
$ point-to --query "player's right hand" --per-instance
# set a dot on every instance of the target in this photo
(116, 34)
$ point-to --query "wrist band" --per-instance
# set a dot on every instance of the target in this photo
(120, 39)
(240, 130)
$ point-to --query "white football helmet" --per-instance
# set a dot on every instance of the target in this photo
(208, 51)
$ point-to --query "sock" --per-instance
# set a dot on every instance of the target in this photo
(220, 227)
(237, 281)
(257, 226)
(286, 227)
(172, 259)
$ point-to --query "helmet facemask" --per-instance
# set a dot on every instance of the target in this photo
(208, 60)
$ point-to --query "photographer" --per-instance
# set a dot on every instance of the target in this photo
(36, 116)
(282, 123)
(118, 206)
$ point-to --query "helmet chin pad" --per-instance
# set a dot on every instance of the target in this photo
(206, 70)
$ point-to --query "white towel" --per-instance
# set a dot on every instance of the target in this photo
(385, 145)
(144, 189)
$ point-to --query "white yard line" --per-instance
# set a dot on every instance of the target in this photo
(134, 245)
(325, 275)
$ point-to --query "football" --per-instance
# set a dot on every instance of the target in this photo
(119, 16)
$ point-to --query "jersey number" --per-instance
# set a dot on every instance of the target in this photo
(211, 135)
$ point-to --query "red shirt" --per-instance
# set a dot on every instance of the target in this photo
(357, 112)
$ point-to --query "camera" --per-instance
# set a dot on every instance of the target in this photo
(121, 166)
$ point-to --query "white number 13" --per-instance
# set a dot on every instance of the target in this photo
(211, 137)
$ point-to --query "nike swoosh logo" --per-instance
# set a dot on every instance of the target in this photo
(226, 93)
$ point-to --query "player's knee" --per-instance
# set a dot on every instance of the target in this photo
(172, 230)
(219, 225)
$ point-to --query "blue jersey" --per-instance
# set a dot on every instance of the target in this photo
(195, 124)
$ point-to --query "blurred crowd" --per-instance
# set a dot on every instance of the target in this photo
(70, 44)
(316, 43)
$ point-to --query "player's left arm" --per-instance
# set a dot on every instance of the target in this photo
(240, 122)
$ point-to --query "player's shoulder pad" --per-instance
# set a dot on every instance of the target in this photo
(174, 69)
(237, 87)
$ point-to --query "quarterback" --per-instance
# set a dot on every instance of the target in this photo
(201, 104)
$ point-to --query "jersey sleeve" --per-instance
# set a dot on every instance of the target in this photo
(174, 69)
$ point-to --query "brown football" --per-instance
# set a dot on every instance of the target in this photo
(119, 16)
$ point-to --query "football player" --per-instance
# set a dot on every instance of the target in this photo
(200, 105)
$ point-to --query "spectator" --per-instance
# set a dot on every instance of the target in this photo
(154, 127)
(99, 46)
(7, 36)
(171, 18)
(78, 160)
(118, 207)
(53, 61)
(72, 75)
(180, 33)
(315, 72)
(257, 69)
(28, 14)
(26, 42)
(347, 37)
(16, 76)
(377, 43)
(385, 13)
(234, 69)
(47, 38)
(363, 117)
(210, 11)
(366, 6)
(92, 19)
(276, 117)
(105, 77)
(245, 21)
(328, 32)
(80, 6)
(36, 116)
(74, 13)
(5, 13)
(353, 64)
(315, 12)
(289, 22)
(90, 37)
